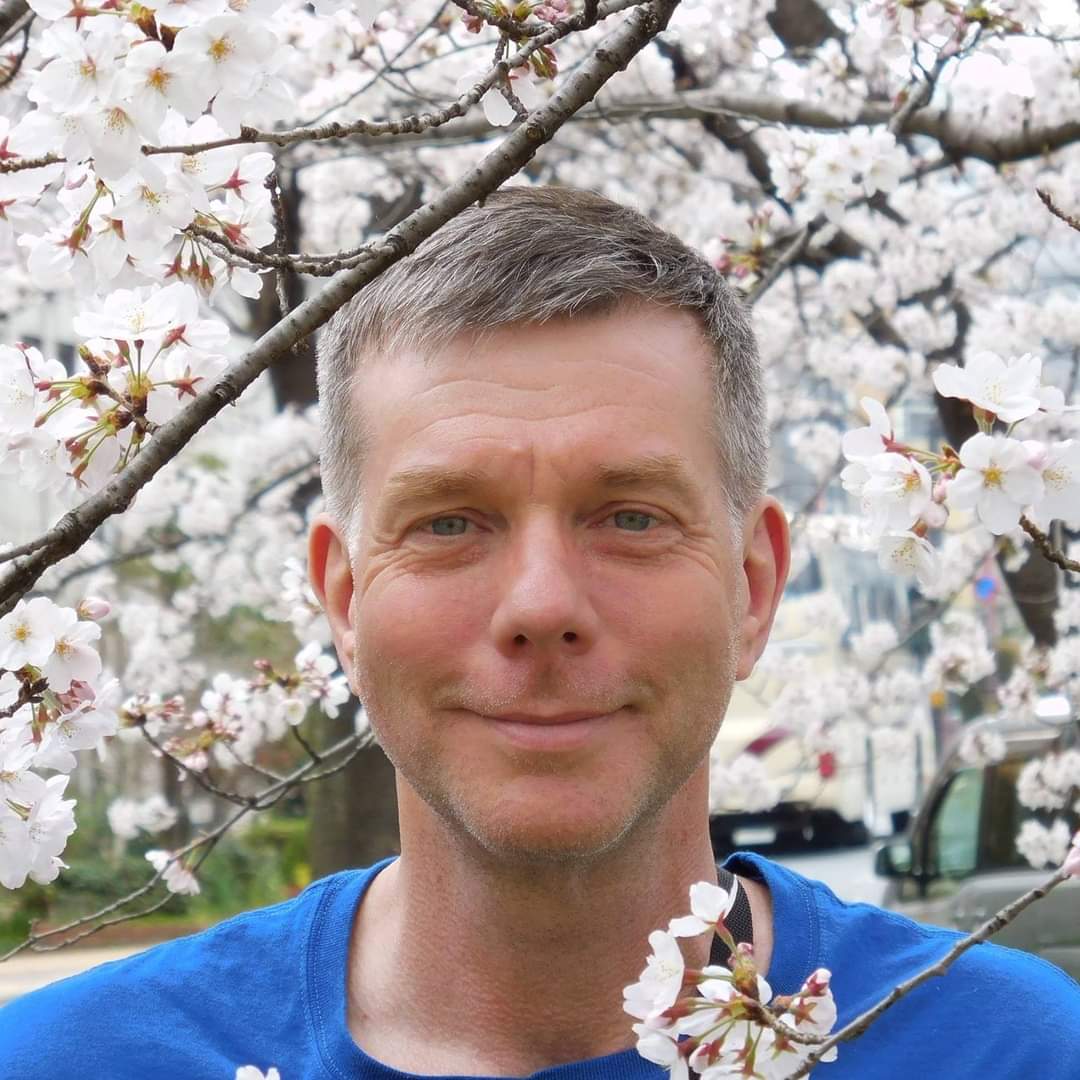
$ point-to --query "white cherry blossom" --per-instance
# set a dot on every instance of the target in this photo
(50, 823)
(710, 905)
(17, 750)
(16, 850)
(155, 80)
(74, 656)
(84, 67)
(1007, 388)
(28, 632)
(1044, 846)
(146, 314)
(875, 438)
(996, 481)
(896, 493)
(177, 878)
(234, 51)
(1059, 467)
(111, 132)
(910, 556)
(658, 985)
(90, 716)
(153, 205)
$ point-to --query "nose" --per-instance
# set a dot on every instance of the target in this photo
(543, 604)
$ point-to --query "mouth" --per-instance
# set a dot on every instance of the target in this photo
(548, 718)
(553, 731)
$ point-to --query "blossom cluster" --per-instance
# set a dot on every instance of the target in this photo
(129, 76)
(53, 703)
(827, 175)
(146, 351)
(234, 719)
(236, 716)
(905, 492)
(731, 1025)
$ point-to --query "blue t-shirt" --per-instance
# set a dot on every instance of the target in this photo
(267, 988)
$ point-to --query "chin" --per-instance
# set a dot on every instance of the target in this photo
(552, 828)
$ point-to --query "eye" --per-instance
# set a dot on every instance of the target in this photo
(450, 525)
(633, 520)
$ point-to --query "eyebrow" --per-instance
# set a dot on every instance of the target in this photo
(423, 484)
(429, 484)
(652, 470)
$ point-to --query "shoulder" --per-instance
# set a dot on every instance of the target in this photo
(180, 994)
(994, 1011)
(870, 950)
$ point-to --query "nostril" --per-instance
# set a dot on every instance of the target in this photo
(519, 639)
(570, 636)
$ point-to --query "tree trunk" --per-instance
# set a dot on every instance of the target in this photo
(354, 812)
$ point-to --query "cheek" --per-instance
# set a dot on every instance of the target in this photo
(683, 616)
(419, 623)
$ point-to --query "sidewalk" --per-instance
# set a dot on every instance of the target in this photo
(29, 970)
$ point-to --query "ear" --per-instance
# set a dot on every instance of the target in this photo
(330, 572)
(766, 557)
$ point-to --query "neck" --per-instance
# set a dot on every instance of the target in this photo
(508, 969)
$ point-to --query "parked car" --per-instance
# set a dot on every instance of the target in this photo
(958, 864)
(870, 787)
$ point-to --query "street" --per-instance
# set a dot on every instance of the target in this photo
(28, 971)
(849, 872)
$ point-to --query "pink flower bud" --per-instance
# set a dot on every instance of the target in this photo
(93, 607)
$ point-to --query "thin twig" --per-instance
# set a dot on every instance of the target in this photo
(309, 749)
(1046, 548)
(200, 778)
(21, 549)
(17, 60)
(281, 240)
(792, 252)
(28, 693)
(1048, 202)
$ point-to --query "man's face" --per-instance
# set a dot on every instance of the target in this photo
(545, 537)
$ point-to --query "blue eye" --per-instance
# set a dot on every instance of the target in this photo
(451, 525)
(632, 520)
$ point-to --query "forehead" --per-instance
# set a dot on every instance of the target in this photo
(580, 392)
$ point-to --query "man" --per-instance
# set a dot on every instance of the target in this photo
(547, 557)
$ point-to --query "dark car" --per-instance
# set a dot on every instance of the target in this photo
(957, 864)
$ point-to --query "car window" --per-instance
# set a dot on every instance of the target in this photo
(1003, 816)
(953, 836)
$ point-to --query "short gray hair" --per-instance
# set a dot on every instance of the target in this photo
(527, 255)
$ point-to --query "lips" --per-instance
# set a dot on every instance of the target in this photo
(550, 719)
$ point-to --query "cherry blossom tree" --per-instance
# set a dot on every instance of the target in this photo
(201, 184)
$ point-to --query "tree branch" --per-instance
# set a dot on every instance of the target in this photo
(1046, 549)
(1048, 202)
(11, 11)
(612, 55)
